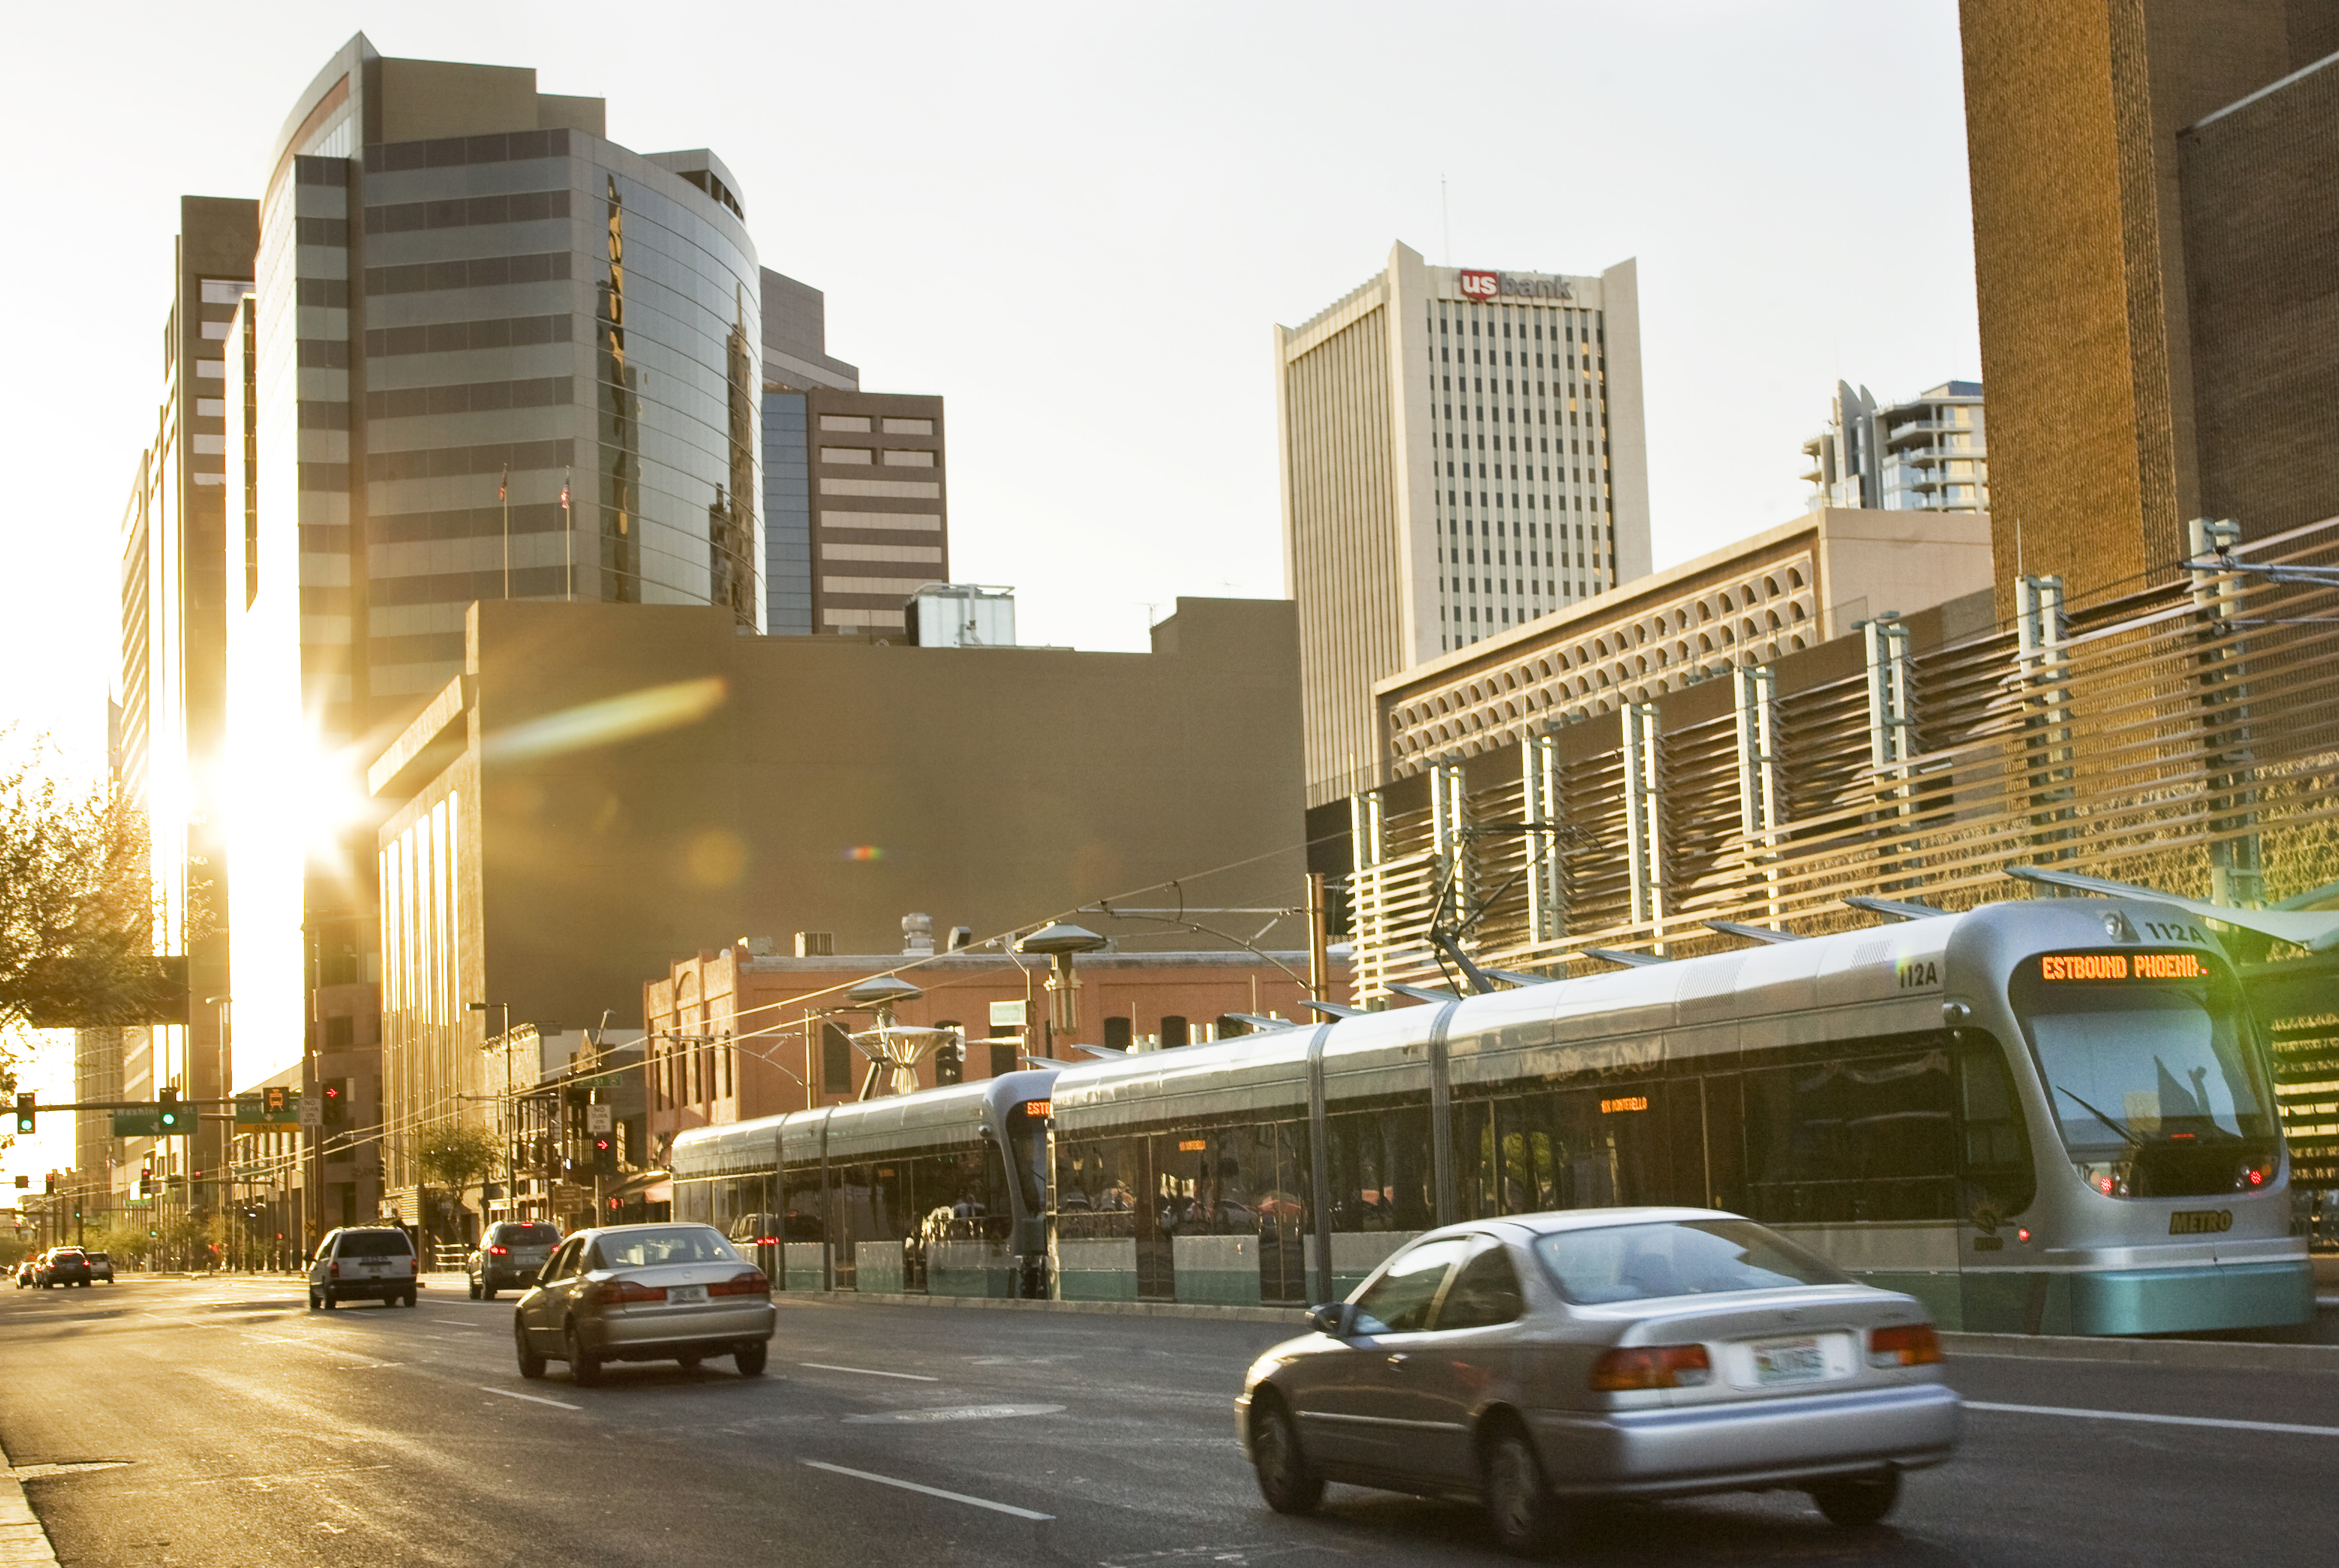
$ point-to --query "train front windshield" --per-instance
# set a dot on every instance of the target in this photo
(2148, 1060)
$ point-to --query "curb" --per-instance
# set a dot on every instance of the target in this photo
(22, 1543)
(1289, 1315)
(2207, 1354)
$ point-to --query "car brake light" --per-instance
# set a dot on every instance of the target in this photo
(767, 1241)
(1904, 1345)
(336, 1268)
(1651, 1367)
(751, 1282)
(499, 1251)
(616, 1292)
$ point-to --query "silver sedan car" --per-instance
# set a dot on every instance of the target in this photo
(1527, 1361)
(644, 1293)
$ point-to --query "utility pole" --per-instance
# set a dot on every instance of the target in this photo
(1319, 952)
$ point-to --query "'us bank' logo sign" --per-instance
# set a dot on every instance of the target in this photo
(1481, 285)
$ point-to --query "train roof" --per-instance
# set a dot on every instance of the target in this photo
(948, 1116)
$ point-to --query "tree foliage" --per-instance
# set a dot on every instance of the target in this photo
(76, 908)
(456, 1154)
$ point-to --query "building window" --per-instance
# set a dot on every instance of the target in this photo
(949, 1057)
(1002, 1059)
(1173, 1032)
(903, 459)
(860, 455)
(851, 424)
(895, 427)
(836, 1060)
(1116, 1033)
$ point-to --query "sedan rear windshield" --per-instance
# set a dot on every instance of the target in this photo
(373, 1244)
(527, 1235)
(652, 1249)
(1675, 1258)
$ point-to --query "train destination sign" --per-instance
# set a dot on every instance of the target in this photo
(2122, 966)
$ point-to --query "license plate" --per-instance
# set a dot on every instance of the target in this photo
(682, 1294)
(1788, 1361)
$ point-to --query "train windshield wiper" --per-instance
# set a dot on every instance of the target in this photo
(2127, 1135)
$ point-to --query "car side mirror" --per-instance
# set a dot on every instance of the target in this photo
(1337, 1318)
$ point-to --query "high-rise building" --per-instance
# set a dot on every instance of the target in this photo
(1927, 454)
(2156, 246)
(855, 490)
(175, 614)
(1463, 451)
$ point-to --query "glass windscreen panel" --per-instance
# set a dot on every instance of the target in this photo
(2148, 1060)
(374, 1244)
(657, 1248)
(1611, 1262)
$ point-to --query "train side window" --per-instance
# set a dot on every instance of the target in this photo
(1994, 1163)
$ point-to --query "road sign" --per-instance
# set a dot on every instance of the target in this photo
(313, 1112)
(1006, 1015)
(602, 1080)
(254, 1109)
(597, 1118)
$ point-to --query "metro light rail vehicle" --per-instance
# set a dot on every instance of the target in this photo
(2054, 1116)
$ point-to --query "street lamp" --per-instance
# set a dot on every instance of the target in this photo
(1059, 943)
(503, 1106)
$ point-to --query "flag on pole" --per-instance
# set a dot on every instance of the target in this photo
(564, 490)
(504, 484)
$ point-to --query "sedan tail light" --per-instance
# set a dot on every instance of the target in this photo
(497, 1251)
(616, 1292)
(767, 1241)
(751, 1283)
(1904, 1345)
(1651, 1367)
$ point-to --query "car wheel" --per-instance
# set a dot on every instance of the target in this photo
(330, 1302)
(474, 1290)
(583, 1370)
(1519, 1503)
(413, 1297)
(487, 1291)
(750, 1357)
(1856, 1501)
(1284, 1478)
(531, 1363)
(313, 1301)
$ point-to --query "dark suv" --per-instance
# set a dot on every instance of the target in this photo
(62, 1266)
(366, 1262)
(510, 1257)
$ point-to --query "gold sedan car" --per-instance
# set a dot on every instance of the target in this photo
(644, 1293)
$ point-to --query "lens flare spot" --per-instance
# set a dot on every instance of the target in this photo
(865, 851)
(715, 858)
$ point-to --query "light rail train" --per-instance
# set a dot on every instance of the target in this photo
(2053, 1116)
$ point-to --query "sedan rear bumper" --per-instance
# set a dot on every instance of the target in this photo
(1751, 1443)
(655, 1334)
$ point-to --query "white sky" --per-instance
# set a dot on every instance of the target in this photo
(1075, 223)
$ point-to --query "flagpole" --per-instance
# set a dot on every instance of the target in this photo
(503, 494)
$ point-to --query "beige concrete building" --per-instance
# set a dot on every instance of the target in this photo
(606, 786)
(1463, 453)
(1753, 601)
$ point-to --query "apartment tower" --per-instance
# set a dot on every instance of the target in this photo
(1463, 452)
(2157, 262)
(1930, 454)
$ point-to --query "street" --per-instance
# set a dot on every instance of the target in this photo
(217, 1422)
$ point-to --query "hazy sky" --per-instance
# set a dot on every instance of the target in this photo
(1077, 224)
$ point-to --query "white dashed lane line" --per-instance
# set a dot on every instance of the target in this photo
(1007, 1508)
(531, 1398)
(869, 1372)
(2288, 1426)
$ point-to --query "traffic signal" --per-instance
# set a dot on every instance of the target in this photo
(51, 1186)
(337, 1107)
(24, 1181)
(605, 1154)
(24, 1113)
(168, 1114)
(273, 1101)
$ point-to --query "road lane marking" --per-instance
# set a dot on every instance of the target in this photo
(869, 1372)
(36, 1472)
(958, 1413)
(932, 1491)
(2219, 1421)
(531, 1398)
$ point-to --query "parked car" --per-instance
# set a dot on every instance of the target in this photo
(363, 1262)
(61, 1265)
(510, 1257)
(24, 1267)
(101, 1267)
(644, 1293)
(1535, 1361)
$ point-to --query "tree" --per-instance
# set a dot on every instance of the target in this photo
(77, 909)
(456, 1154)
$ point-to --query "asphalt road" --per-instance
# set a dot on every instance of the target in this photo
(238, 1428)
